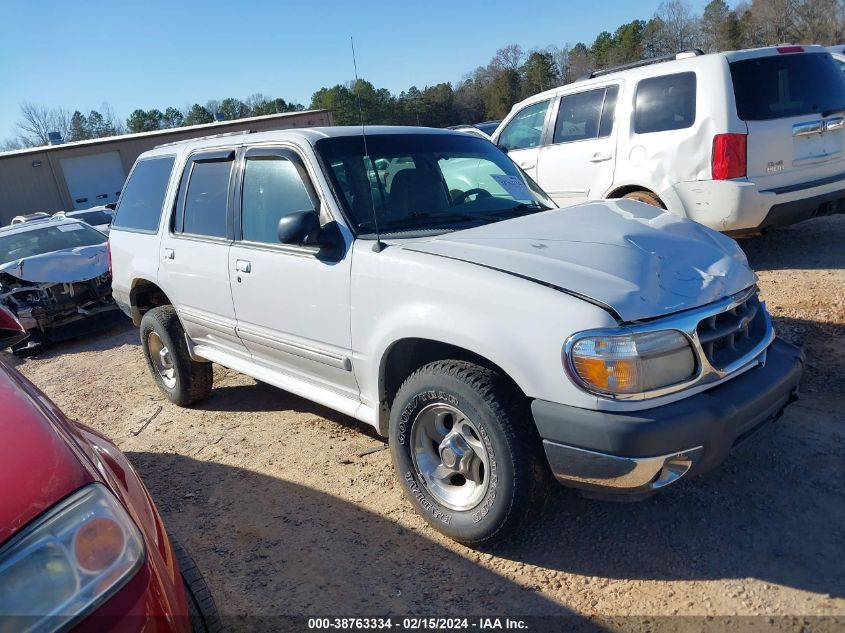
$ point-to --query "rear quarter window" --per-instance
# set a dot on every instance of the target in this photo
(787, 85)
(143, 195)
(665, 103)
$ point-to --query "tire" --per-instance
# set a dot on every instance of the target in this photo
(645, 196)
(182, 379)
(201, 606)
(490, 501)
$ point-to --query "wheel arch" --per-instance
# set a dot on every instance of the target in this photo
(405, 355)
(624, 190)
(143, 297)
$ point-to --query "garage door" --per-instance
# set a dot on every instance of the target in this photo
(93, 180)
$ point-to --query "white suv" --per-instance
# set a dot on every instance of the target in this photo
(738, 141)
(494, 340)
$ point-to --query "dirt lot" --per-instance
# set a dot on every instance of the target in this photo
(286, 512)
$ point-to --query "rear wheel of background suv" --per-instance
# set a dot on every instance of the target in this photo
(645, 196)
(182, 379)
(466, 451)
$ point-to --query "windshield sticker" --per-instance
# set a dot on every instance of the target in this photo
(513, 185)
(64, 228)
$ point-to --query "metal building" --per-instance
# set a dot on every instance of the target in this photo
(89, 173)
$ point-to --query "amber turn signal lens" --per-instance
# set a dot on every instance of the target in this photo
(619, 375)
(98, 543)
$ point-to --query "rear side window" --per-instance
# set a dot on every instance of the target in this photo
(143, 195)
(586, 115)
(272, 189)
(665, 103)
(206, 196)
(526, 128)
(787, 85)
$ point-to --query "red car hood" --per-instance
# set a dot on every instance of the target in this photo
(38, 467)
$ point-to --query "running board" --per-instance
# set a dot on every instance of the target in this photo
(309, 391)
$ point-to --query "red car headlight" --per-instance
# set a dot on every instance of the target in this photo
(69, 561)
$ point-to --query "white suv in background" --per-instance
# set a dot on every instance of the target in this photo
(738, 141)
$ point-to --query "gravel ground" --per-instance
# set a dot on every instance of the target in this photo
(291, 508)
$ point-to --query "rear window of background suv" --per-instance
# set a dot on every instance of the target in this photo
(143, 195)
(787, 85)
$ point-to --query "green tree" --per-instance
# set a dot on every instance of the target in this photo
(172, 118)
(602, 50)
(78, 127)
(504, 90)
(99, 126)
(233, 109)
(340, 101)
(579, 62)
(469, 98)
(144, 120)
(197, 115)
(539, 73)
(720, 27)
(628, 42)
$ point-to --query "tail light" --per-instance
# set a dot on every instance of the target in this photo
(790, 49)
(729, 156)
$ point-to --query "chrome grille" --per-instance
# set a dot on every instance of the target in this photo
(728, 336)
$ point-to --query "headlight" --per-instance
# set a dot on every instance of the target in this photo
(70, 561)
(632, 363)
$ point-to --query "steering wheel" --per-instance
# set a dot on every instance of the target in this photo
(461, 197)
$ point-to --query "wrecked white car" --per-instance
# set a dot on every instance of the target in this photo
(54, 276)
(496, 341)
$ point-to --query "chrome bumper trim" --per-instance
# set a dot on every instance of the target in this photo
(580, 468)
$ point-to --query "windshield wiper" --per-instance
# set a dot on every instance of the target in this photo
(827, 113)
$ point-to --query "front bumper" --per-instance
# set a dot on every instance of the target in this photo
(631, 455)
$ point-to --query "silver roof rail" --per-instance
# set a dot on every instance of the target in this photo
(204, 138)
(692, 52)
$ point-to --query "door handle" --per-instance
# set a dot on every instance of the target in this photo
(243, 266)
(598, 157)
(169, 254)
(527, 165)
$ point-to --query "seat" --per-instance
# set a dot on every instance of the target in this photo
(416, 191)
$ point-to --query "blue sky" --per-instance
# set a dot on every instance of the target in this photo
(154, 54)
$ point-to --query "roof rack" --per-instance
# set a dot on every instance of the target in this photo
(692, 52)
(204, 138)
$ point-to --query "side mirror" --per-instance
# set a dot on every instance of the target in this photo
(299, 227)
(111, 205)
(11, 330)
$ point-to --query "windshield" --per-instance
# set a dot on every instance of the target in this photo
(47, 240)
(788, 85)
(427, 182)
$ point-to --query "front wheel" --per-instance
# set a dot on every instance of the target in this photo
(466, 451)
(182, 379)
(202, 610)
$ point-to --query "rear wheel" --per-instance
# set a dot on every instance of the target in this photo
(201, 607)
(466, 452)
(182, 379)
(645, 196)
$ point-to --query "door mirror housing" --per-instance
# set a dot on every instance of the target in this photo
(299, 227)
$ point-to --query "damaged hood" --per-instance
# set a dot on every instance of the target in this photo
(65, 266)
(638, 260)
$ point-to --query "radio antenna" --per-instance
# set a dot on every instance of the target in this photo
(378, 246)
